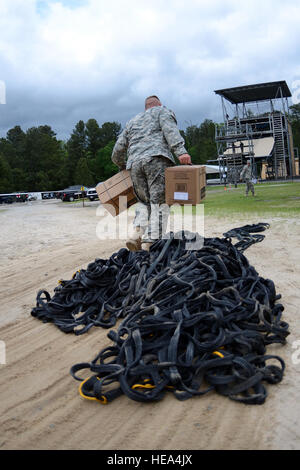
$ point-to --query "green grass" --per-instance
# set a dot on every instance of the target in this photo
(274, 199)
(271, 199)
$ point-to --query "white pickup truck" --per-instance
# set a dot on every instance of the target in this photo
(92, 194)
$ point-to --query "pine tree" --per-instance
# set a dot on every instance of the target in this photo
(93, 137)
(109, 132)
(104, 167)
(77, 148)
(44, 154)
(5, 176)
(83, 175)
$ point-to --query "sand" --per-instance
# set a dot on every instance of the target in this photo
(40, 408)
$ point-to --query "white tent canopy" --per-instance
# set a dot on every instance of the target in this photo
(212, 169)
(261, 147)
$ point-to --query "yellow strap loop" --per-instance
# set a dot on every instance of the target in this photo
(103, 400)
(142, 386)
(218, 354)
(145, 385)
(78, 271)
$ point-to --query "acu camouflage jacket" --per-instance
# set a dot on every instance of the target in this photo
(151, 133)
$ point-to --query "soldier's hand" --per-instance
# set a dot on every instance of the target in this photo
(185, 159)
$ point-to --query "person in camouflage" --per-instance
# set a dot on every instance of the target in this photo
(145, 148)
(246, 175)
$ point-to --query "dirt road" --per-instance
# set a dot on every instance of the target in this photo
(40, 407)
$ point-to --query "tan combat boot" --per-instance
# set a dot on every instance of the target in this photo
(134, 243)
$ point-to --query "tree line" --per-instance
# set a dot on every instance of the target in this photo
(295, 123)
(36, 160)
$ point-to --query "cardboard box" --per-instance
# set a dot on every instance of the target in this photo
(185, 184)
(110, 191)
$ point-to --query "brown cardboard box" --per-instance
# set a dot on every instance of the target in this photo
(110, 190)
(185, 184)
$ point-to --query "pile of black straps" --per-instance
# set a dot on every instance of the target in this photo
(193, 320)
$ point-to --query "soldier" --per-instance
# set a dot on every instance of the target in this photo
(148, 141)
(246, 174)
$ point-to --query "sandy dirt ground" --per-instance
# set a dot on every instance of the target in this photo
(40, 408)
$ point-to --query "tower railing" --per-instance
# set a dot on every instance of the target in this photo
(235, 142)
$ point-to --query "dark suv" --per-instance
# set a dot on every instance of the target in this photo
(6, 199)
(71, 193)
(70, 196)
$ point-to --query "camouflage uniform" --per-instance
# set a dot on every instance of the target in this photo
(148, 141)
(246, 174)
(151, 133)
(233, 174)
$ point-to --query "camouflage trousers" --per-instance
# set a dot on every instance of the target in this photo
(148, 179)
(249, 186)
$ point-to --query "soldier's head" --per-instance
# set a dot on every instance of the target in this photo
(152, 101)
(248, 162)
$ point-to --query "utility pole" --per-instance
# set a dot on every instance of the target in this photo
(82, 192)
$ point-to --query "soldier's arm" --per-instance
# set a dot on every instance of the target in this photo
(119, 153)
(171, 133)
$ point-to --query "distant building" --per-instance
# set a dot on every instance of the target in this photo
(258, 129)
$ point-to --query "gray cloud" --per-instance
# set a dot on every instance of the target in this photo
(75, 59)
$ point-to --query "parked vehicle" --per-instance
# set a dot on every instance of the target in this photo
(6, 199)
(13, 197)
(71, 193)
(92, 194)
(70, 196)
(22, 197)
(48, 195)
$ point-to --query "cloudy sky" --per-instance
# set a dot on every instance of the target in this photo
(66, 60)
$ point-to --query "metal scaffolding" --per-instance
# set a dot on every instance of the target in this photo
(255, 116)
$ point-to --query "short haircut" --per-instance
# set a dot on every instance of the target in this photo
(152, 96)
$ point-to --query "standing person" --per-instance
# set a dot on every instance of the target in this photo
(246, 175)
(148, 141)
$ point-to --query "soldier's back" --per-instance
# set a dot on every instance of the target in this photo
(145, 135)
(144, 124)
